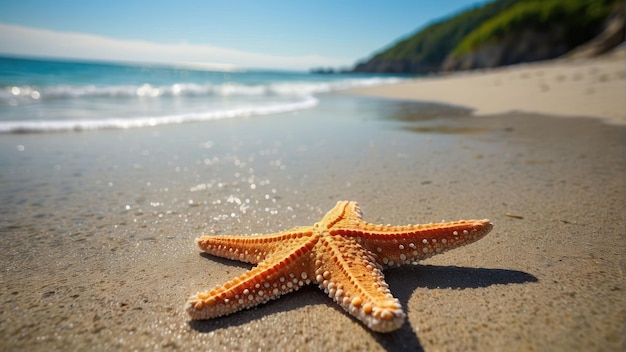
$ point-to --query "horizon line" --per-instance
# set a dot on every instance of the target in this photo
(31, 42)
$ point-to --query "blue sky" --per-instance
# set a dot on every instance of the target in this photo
(267, 34)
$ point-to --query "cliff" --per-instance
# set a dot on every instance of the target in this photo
(425, 50)
(505, 32)
(533, 31)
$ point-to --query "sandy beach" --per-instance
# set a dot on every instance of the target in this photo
(97, 228)
(563, 87)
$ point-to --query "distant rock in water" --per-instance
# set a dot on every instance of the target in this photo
(394, 66)
(322, 70)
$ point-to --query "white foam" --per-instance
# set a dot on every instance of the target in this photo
(125, 123)
(286, 96)
(27, 92)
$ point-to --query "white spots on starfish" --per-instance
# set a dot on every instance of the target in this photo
(386, 316)
(368, 308)
(220, 300)
(411, 248)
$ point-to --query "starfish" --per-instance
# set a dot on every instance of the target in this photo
(341, 253)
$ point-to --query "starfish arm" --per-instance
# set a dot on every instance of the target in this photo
(343, 214)
(348, 273)
(253, 248)
(398, 245)
(282, 272)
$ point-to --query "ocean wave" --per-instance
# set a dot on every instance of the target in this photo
(41, 126)
(126, 106)
(15, 94)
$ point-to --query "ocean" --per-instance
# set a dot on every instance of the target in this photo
(50, 95)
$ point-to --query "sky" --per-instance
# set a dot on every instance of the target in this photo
(279, 34)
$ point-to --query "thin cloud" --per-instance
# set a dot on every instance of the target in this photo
(27, 41)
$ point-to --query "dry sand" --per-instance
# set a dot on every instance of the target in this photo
(97, 229)
(581, 87)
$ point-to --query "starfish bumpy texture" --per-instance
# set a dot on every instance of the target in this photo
(341, 253)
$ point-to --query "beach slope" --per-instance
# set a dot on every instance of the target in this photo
(564, 87)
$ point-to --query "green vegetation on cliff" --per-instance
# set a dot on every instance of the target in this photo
(578, 17)
(431, 45)
(521, 30)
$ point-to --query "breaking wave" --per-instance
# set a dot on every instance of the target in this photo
(147, 121)
(226, 100)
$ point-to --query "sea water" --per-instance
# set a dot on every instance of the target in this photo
(50, 95)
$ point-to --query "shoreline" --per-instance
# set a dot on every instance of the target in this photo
(593, 87)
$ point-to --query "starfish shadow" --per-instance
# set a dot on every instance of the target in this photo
(456, 277)
(226, 262)
(402, 281)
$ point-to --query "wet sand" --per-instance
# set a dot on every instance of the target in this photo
(97, 229)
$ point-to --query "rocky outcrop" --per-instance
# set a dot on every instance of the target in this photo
(611, 36)
(525, 46)
(394, 66)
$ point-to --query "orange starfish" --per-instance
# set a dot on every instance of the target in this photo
(342, 253)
